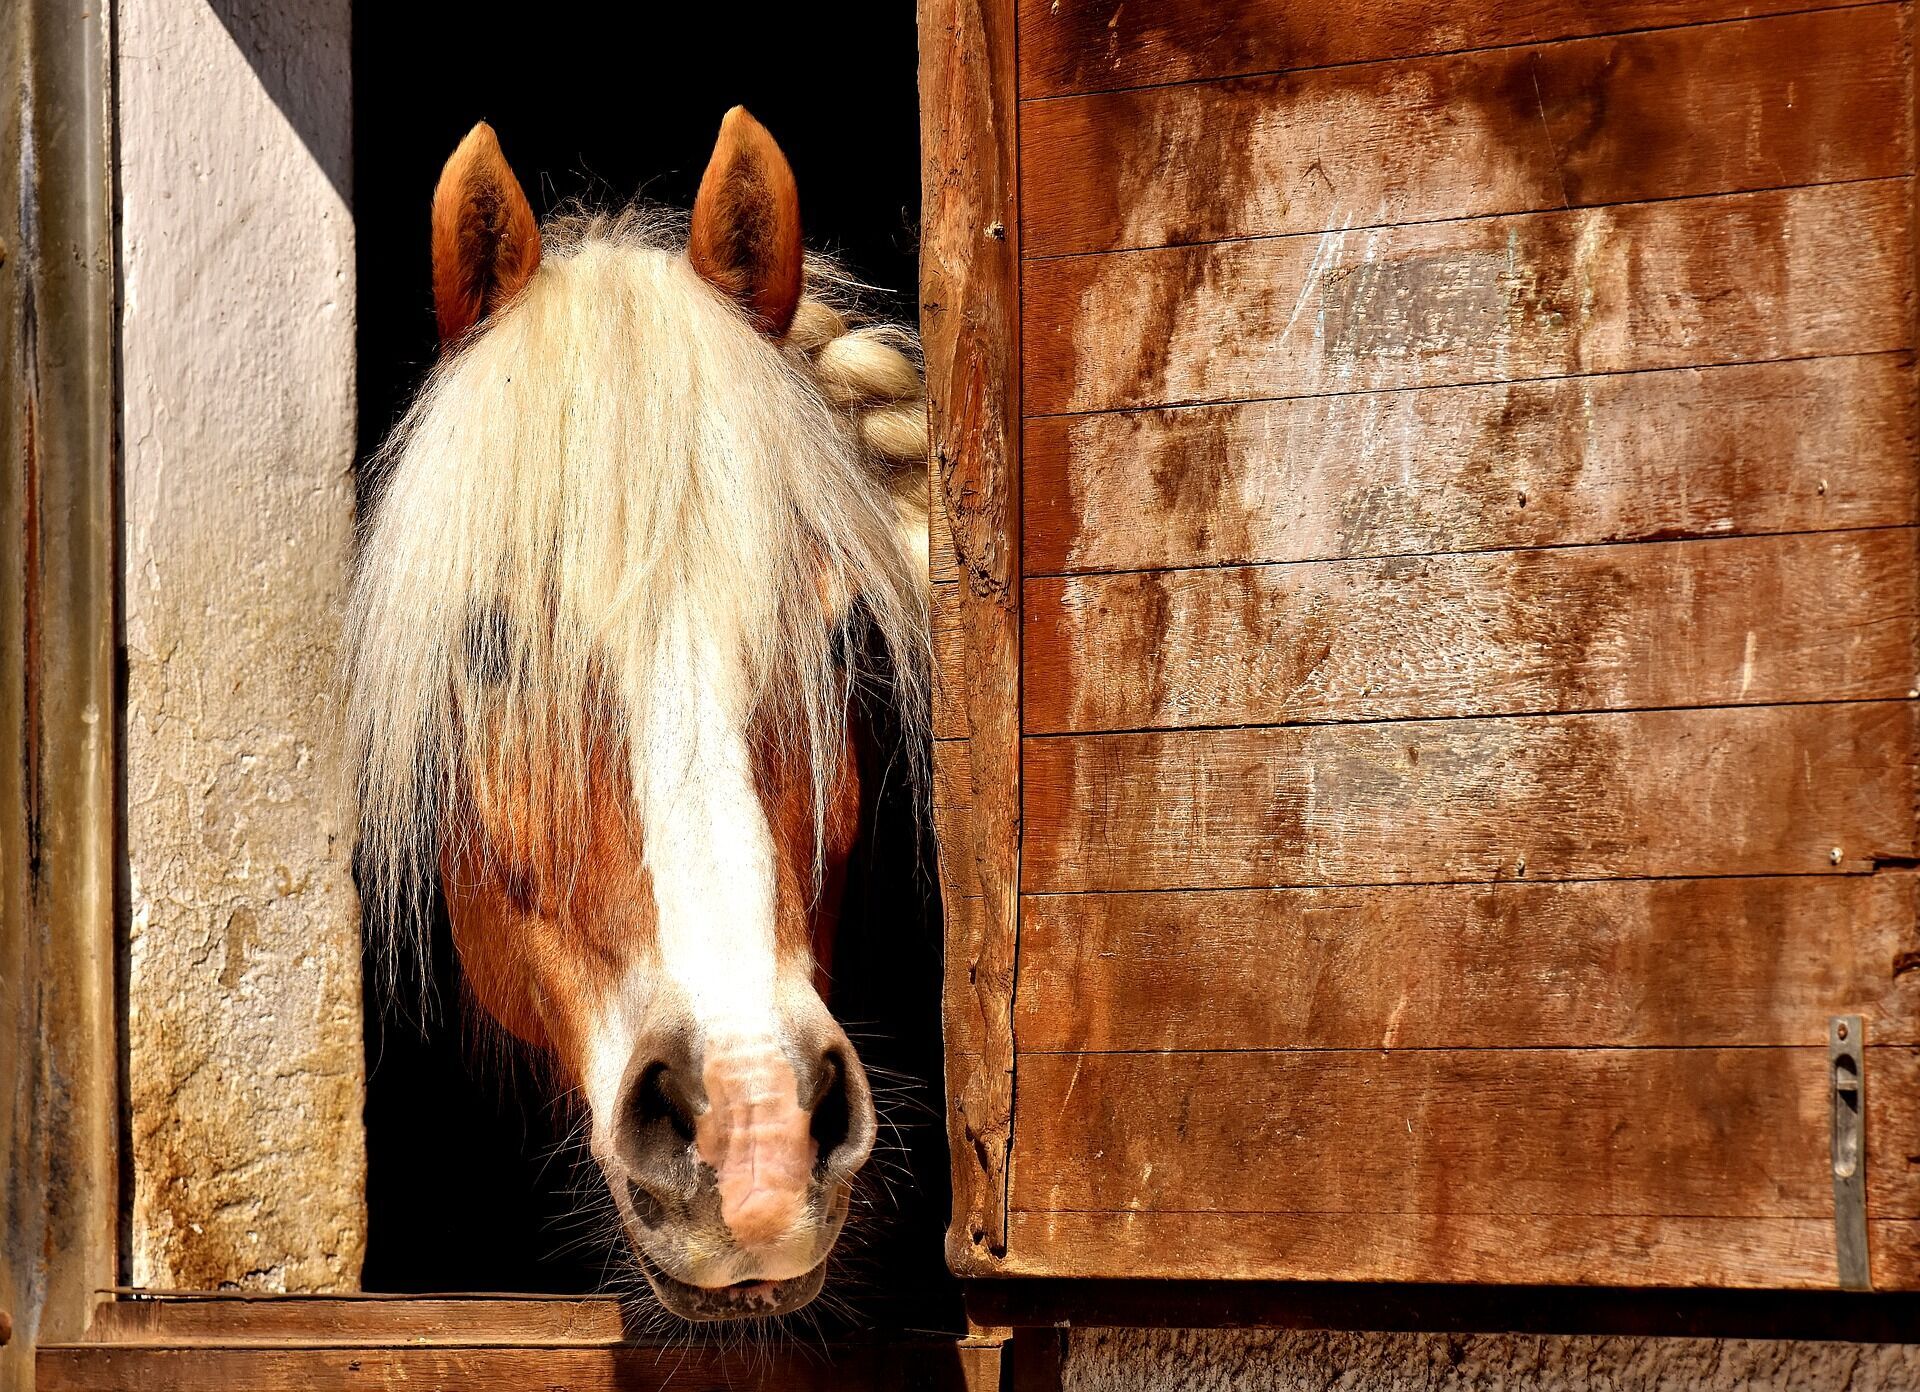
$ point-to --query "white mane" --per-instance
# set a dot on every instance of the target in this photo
(617, 453)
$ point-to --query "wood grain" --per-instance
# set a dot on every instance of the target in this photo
(1762, 790)
(1746, 277)
(943, 566)
(970, 330)
(1693, 452)
(944, 607)
(1679, 1252)
(1633, 963)
(1567, 1133)
(1757, 620)
(1797, 99)
(1078, 46)
(362, 1321)
(683, 1367)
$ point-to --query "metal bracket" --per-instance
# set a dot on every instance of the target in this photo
(1847, 1081)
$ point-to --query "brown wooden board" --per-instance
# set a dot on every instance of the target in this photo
(949, 663)
(181, 1319)
(1678, 1251)
(1077, 45)
(681, 1367)
(1636, 1133)
(1636, 963)
(1638, 456)
(1758, 620)
(970, 330)
(1436, 1307)
(1795, 99)
(152, 1343)
(1692, 282)
(1762, 790)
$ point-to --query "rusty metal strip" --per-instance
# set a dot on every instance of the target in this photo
(58, 715)
(1847, 1081)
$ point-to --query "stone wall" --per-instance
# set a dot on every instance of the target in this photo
(1185, 1360)
(245, 1074)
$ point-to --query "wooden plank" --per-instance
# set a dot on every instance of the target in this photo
(970, 330)
(1077, 46)
(1798, 99)
(1676, 1252)
(943, 566)
(682, 1366)
(965, 1019)
(1432, 1307)
(1695, 452)
(1762, 790)
(1551, 1133)
(362, 1321)
(1753, 621)
(60, 1200)
(949, 662)
(1634, 963)
(1746, 277)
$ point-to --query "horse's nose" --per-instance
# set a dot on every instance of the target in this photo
(766, 1117)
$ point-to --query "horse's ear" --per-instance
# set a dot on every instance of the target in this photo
(746, 224)
(486, 244)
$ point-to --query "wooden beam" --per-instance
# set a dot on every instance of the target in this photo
(970, 328)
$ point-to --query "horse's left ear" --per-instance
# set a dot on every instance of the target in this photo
(746, 225)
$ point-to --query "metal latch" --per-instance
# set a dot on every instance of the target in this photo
(1846, 1076)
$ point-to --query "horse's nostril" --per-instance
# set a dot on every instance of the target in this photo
(832, 1119)
(658, 1102)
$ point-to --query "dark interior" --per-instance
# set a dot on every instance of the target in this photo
(472, 1182)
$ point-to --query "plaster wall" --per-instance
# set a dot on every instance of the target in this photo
(245, 1075)
(1188, 1360)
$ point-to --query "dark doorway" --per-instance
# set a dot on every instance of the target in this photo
(472, 1185)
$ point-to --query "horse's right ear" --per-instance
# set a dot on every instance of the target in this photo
(486, 244)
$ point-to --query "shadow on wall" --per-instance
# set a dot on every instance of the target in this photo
(268, 36)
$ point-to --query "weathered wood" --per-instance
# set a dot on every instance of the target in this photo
(970, 329)
(1798, 99)
(59, 1129)
(1751, 621)
(1638, 963)
(1569, 1133)
(964, 1019)
(1437, 1307)
(1677, 1251)
(1077, 46)
(949, 662)
(1762, 790)
(943, 568)
(1695, 452)
(362, 1321)
(1746, 277)
(682, 1366)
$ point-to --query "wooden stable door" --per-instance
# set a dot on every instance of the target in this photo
(1426, 581)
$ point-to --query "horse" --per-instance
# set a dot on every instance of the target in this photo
(651, 534)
